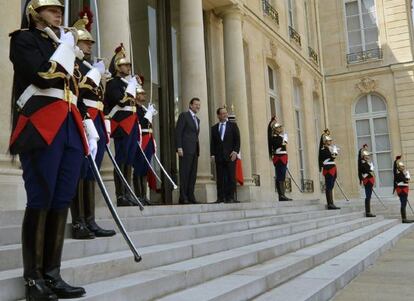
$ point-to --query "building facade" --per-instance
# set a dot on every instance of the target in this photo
(296, 59)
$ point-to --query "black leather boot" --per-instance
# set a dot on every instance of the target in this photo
(54, 237)
(33, 236)
(404, 216)
(283, 190)
(89, 199)
(120, 189)
(127, 172)
(329, 200)
(77, 210)
(368, 208)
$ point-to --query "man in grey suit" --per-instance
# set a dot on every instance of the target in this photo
(188, 149)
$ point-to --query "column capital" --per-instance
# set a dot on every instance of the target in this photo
(233, 10)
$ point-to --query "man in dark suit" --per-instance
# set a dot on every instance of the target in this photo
(224, 147)
(188, 149)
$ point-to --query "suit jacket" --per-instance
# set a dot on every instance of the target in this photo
(186, 134)
(221, 149)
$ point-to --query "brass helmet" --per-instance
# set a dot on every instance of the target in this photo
(120, 57)
(275, 126)
(34, 5)
(83, 33)
(365, 153)
(400, 164)
(326, 136)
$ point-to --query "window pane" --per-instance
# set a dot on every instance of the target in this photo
(373, 46)
(369, 20)
(371, 35)
(367, 5)
(362, 127)
(353, 23)
(378, 105)
(355, 49)
(364, 140)
(272, 107)
(271, 80)
(380, 126)
(298, 120)
(382, 143)
(278, 111)
(384, 161)
(297, 96)
(354, 38)
(385, 178)
(351, 8)
(361, 106)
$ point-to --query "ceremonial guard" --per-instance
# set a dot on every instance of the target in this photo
(401, 179)
(146, 147)
(327, 155)
(49, 137)
(91, 93)
(366, 177)
(120, 108)
(277, 143)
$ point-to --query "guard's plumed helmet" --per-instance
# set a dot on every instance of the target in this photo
(34, 5)
(83, 33)
(118, 59)
(275, 126)
(365, 153)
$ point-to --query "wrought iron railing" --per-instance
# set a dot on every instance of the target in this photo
(364, 56)
(270, 11)
(294, 35)
(307, 185)
(313, 55)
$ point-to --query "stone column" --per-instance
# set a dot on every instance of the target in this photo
(194, 84)
(236, 93)
(194, 74)
(11, 183)
(114, 26)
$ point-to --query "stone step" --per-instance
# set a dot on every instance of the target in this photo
(10, 234)
(156, 282)
(322, 282)
(10, 255)
(14, 217)
(234, 250)
(253, 281)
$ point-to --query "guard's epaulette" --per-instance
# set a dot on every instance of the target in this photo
(17, 31)
(109, 79)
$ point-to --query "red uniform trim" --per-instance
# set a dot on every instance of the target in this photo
(145, 140)
(126, 124)
(331, 171)
(367, 180)
(402, 190)
(48, 120)
(280, 158)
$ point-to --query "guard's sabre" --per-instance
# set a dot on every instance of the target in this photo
(148, 162)
(373, 190)
(408, 202)
(135, 201)
(165, 172)
(293, 180)
(111, 208)
(150, 65)
(340, 188)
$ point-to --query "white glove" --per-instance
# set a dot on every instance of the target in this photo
(285, 137)
(94, 75)
(371, 165)
(132, 87)
(151, 111)
(407, 175)
(335, 150)
(92, 136)
(100, 66)
(79, 53)
(67, 38)
(108, 129)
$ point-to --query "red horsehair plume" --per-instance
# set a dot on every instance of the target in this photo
(119, 48)
(398, 157)
(87, 11)
(141, 77)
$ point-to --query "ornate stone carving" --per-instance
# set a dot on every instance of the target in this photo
(298, 69)
(273, 49)
(366, 85)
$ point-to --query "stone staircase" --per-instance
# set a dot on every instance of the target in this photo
(262, 251)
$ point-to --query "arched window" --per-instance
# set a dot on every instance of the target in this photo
(371, 126)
